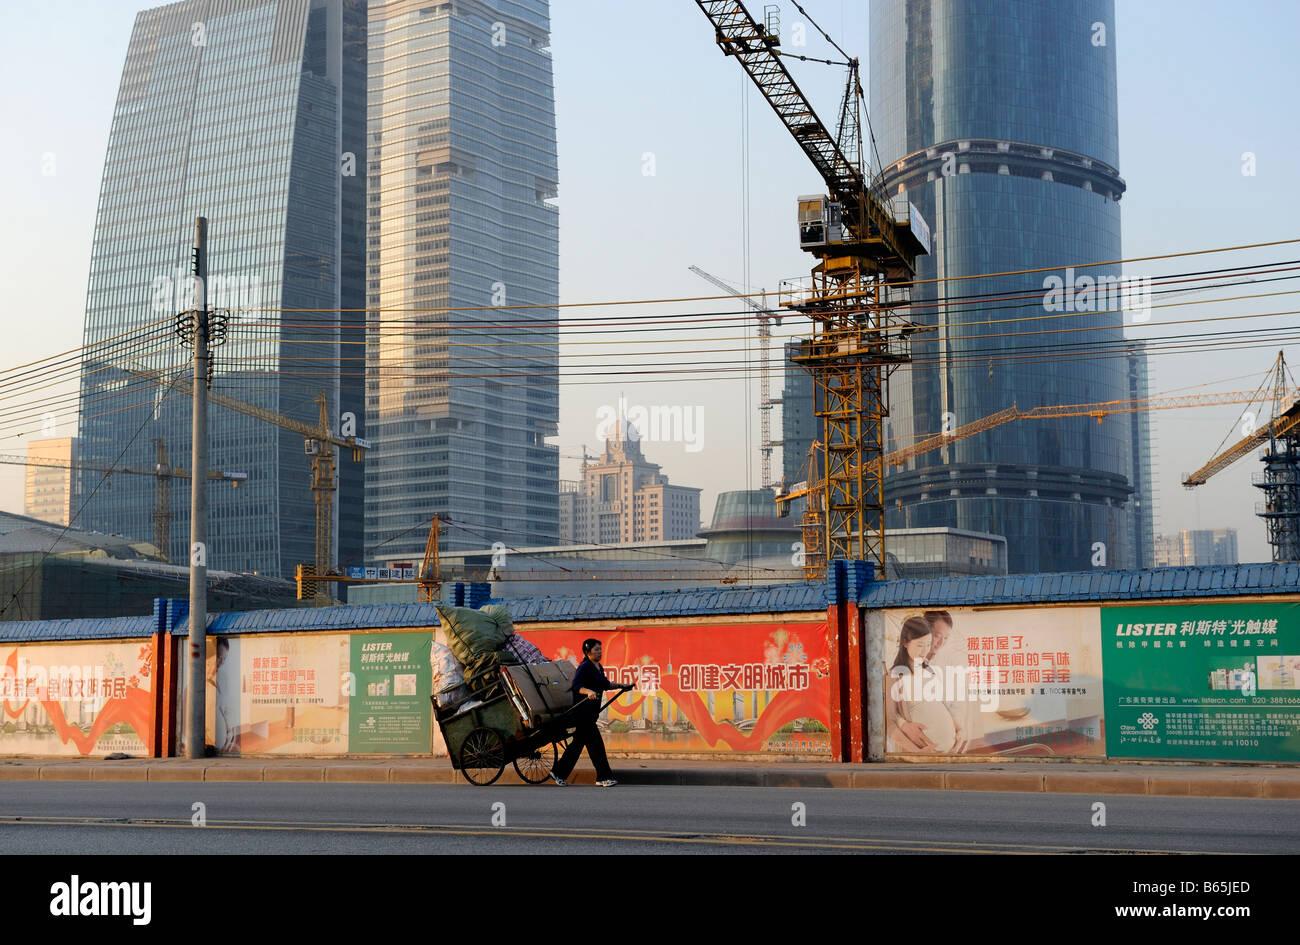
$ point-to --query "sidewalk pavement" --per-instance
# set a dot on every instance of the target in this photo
(1194, 780)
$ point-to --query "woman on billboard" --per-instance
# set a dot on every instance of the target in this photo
(919, 712)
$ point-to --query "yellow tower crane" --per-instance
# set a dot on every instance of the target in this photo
(864, 243)
(319, 443)
(814, 515)
(1280, 480)
(163, 473)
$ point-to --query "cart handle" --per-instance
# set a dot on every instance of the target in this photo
(617, 690)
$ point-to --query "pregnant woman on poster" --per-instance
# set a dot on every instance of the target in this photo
(919, 723)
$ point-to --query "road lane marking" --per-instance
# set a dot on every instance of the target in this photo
(867, 844)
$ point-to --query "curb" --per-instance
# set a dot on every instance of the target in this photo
(1173, 783)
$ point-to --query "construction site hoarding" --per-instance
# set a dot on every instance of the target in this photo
(755, 687)
(1214, 681)
(79, 699)
(1007, 683)
(319, 693)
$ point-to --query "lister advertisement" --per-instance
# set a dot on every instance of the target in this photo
(1015, 683)
(1203, 681)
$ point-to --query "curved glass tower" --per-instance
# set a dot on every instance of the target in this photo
(998, 121)
(245, 112)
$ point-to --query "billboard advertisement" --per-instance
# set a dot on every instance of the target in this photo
(78, 699)
(1014, 683)
(1203, 681)
(724, 688)
(390, 709)
(319, 693)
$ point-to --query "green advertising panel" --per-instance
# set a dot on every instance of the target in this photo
(390, 710)
(1206, 681)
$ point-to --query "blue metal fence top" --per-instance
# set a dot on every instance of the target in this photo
(348, 617)
(1098, 587)
(768, 598)
(90, 628)
(1116, 587)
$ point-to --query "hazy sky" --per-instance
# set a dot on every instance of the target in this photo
(641, 86)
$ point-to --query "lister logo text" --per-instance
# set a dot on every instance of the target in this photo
(102, 899)
(1146, 629)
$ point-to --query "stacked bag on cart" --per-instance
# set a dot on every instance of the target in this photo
(481, 641)
(448, 676)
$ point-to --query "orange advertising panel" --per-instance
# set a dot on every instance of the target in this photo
(76, 698)
(729, 688)
(278, 694)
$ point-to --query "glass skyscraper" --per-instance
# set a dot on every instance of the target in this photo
(998, 120)
(1143, 502)
(462, 276)
(245, 112)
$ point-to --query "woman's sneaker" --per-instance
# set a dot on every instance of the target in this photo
(560, 781)
(607, 783)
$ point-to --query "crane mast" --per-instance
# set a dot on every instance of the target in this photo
(765, 399)
(863, 244)
(319, 442)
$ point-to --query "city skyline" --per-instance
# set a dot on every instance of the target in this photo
(715, 402)
(1154, 51)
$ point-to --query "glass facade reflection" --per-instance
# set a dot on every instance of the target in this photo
(798, 419)
(462, 229)
(239, 111)
(998, 121)
(1143, 502)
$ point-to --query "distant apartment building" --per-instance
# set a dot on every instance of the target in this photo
(1199, 546)
(48, 492)
(799, 423)
(624, 498)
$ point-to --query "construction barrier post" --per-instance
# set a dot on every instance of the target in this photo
(836, 651)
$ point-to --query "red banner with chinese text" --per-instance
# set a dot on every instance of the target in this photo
(77, 698)
(728, 687)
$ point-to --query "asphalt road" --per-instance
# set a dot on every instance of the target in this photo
(90, 818)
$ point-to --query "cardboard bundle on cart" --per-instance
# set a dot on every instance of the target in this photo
(539, 691)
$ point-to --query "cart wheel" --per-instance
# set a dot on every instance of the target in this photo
(482, 756)
(535, 766)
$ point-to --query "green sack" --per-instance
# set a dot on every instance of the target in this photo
(472, 633)
(483, 672)
(499, 616)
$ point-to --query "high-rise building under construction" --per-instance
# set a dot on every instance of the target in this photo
(998, 120)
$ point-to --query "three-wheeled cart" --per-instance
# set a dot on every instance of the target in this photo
(503, 725)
